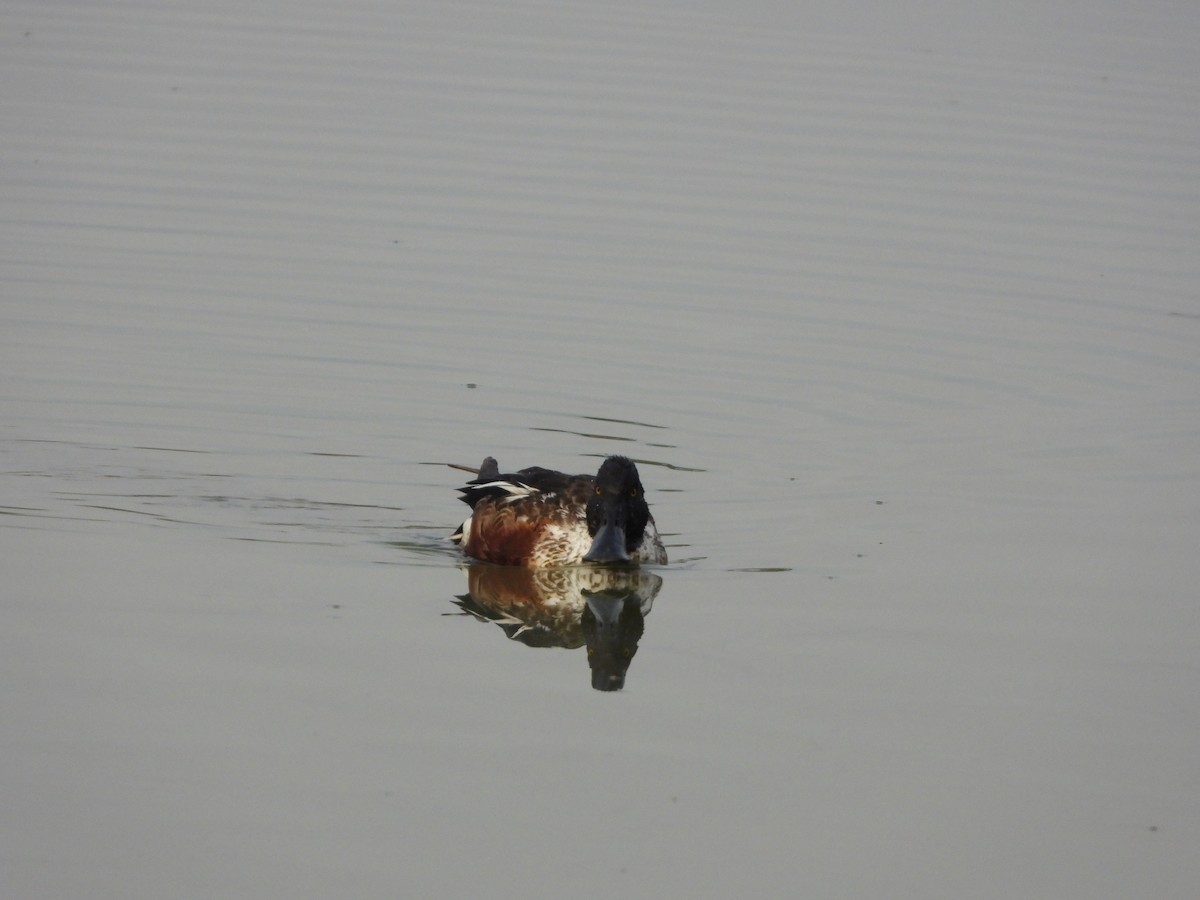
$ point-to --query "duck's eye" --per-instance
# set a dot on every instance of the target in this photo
(599, 490)
(633, 492)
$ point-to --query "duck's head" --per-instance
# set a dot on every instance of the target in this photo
(616, 512)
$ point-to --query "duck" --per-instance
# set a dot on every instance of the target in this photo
(538, 517)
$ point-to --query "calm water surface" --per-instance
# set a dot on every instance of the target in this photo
(898, 317)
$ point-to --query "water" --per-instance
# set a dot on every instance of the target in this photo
(897, 314)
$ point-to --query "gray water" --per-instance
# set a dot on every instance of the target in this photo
(896, 309)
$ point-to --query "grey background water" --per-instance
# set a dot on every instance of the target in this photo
(897, 309)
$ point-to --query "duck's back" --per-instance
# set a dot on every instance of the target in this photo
(534, 517)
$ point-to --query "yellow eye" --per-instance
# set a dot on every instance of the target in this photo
(633, 492)
(599, 490)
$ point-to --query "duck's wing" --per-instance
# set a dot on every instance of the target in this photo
(513, 486)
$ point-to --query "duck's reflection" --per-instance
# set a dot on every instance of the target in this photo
(604, 608)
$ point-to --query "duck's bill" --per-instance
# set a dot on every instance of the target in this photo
(608, 546)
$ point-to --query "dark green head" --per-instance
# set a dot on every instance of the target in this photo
(616, 512)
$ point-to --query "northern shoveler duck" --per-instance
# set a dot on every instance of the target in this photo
(538, 517)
